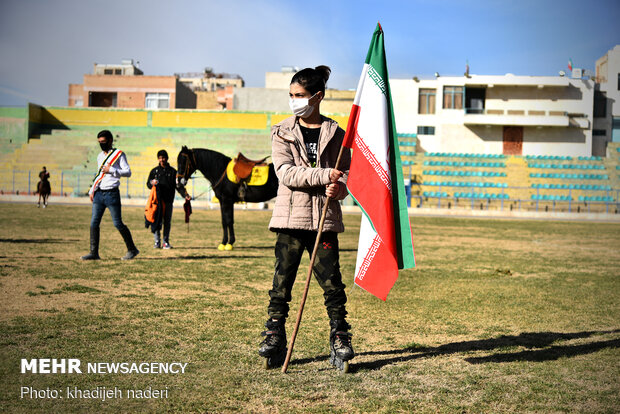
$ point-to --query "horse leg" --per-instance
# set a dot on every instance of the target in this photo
(231, 228)
(227, 210)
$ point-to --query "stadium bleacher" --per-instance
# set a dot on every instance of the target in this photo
(523, 179)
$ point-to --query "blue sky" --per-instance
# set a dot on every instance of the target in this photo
(47, 44)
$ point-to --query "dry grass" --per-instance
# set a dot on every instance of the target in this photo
(499, 316)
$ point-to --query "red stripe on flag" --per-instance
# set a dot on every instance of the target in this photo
(349, 135)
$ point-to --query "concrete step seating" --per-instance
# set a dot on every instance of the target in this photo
(604, 199)
(571, 176)
(465, 164)
(468, 195)
(447, 173)
(479, 184)
(561, 158)
(521, 178)
(491, 196)
(548, 157)
(567, 166)
(551, 197)
(462, 155)
(8, 145)
(589, 187)
(435, 194)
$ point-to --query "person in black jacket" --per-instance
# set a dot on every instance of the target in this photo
(163, 177)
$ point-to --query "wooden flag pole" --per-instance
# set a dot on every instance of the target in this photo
(309, 276)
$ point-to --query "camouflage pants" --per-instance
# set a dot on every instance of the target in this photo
(290, 247)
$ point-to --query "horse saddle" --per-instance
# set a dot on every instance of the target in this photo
(243, 166)
(248, 172)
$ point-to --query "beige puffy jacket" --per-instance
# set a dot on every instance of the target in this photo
(301, 193)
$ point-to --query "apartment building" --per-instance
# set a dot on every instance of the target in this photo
(508, 114)
(607, 97)
(125, 86)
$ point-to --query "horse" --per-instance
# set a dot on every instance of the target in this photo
(212, 165)
(43, 187)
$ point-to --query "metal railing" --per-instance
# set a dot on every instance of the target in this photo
(76, 184)
(472, 199)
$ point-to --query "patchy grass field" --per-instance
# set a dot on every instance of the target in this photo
(499, 316)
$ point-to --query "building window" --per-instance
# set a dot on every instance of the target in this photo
(426, 130)
(600, 105)
(453, 97)
(118, 71)
(474, 100)
(102, 99)
(615, 129)
(427, 101)
(599, 132)
(157, 101)
(619, 81)
(108, 72)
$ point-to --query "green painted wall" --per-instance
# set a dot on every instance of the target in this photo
(13, 126)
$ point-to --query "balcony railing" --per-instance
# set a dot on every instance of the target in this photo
(517, 112)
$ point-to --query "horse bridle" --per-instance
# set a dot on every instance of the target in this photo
(187, 167)
(187, 164)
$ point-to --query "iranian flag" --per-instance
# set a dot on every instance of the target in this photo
(376, 179)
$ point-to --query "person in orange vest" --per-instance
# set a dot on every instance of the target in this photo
(163, 178)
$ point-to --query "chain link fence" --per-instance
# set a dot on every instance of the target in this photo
(77, 184)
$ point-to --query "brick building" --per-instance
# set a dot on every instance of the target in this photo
(213, 90)
(125, 86)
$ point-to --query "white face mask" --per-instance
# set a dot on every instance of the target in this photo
(300, 107)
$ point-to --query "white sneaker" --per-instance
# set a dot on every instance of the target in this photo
(167, 246)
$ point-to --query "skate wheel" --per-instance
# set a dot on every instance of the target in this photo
(345, 367)
(274, 361)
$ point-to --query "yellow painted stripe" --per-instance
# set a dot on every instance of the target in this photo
(342, 120)
(95, 117)
(224, 120)
(165, 119)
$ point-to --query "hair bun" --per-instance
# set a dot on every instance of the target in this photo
(324, 71)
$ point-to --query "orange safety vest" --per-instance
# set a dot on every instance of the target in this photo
(151, 206)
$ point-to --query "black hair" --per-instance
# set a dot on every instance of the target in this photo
(312, 80)
(107, 135)
(162, 153)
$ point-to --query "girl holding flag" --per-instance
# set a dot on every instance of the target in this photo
(305, 148)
